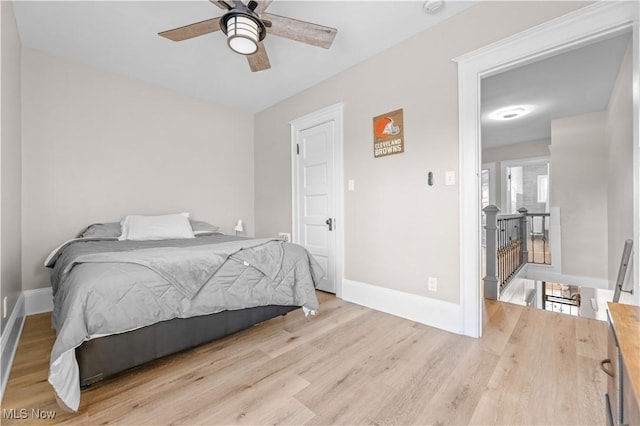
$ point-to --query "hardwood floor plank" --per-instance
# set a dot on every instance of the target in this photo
(591, 385)
(591, 338)
(508, 389)
(348, 365)
(457, 398)
(324, 324)
(156, 391)
(348, 400)
(424, 382)
(346, 348)
(250, 404)
(541, 368)
(340, 382)
(498, 323)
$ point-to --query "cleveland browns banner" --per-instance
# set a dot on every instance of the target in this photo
(388, 134)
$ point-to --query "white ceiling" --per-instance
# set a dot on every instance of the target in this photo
(572, 83)
(121, 36)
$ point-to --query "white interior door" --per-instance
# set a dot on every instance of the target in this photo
(315, 197)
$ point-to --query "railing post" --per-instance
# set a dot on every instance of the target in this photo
(523, 235)
(491, 255)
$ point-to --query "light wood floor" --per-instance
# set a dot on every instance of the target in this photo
(348, 365)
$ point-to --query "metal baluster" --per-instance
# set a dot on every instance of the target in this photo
(544, 240)
(533, 239)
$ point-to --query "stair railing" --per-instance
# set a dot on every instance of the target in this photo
(506, 249)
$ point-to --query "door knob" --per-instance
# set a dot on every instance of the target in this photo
(330, 223)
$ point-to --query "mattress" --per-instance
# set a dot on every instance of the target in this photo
(105, 287)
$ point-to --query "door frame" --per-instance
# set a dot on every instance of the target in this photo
(588, 24)
(331, 113)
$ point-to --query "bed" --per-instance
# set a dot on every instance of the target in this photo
(119, 303)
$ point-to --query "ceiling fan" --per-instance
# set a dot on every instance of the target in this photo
(246, 25)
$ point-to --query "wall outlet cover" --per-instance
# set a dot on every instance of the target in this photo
(433, 284)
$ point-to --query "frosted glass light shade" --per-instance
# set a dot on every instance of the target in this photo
(242, 34)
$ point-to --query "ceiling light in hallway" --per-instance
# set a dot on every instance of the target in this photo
(511, 112)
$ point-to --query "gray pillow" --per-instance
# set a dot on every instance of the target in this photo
(102, 230)
(113, 229)
(201, 228)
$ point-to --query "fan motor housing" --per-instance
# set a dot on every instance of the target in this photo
(262, 30)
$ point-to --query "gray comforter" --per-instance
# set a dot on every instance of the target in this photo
(104, 287)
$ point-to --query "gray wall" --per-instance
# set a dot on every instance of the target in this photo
(579, 189)
(98, 146)
(10, 153)
(516, 151)
(398, 230)
(529, 197)
(619, 134)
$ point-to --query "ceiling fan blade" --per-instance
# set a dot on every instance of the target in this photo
(259, 61)
(192, 30)
(262, 6)
(222, 4)
(305, 32)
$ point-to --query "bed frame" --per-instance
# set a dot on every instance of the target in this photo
(106, 356)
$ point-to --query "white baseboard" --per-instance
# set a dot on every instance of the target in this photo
(9, 342)
(436, 313)
(38, 301)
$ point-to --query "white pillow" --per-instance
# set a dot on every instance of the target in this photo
(164, 227)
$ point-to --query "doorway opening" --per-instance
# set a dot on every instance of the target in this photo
(581, 28)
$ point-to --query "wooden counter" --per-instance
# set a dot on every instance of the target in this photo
(625, 320)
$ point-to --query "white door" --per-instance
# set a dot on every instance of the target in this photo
(315, 193)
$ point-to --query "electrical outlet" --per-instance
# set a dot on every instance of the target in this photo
(285, 236)
(4, 307)
(433, 284)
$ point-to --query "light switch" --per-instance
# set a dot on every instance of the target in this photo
(351, 185)
(450, 178)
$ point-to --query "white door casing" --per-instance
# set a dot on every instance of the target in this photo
(316, 191)
(590, 23)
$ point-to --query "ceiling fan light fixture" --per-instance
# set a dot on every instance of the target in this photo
(243, 34)
(245, 29)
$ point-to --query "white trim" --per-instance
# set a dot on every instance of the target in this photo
(471, 292)
(9, 342)
(532, 271)
(432, 312)
(333, 113)
(38, 301)
(555, 239)
(636, 160)
(588, 24)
